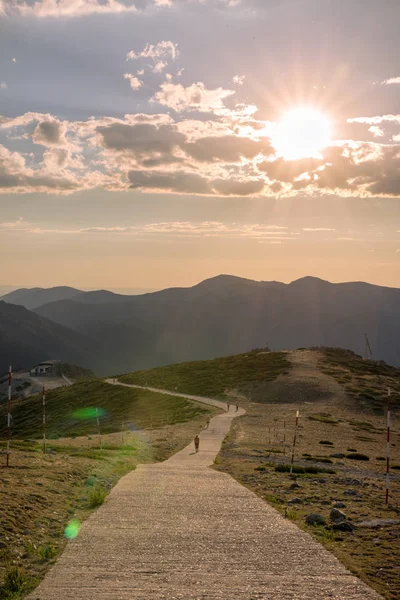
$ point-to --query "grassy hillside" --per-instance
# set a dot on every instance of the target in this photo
(214, 377)
(72, 411)
(367, 381)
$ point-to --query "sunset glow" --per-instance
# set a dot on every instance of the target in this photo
(301, 133)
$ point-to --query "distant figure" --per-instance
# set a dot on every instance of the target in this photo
(207, 423)
(228, 406)
(237, 408)
(196, 443)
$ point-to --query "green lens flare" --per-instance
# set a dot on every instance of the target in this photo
(72, 529)
(88, 413)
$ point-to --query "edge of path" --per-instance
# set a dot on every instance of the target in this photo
(202, 399)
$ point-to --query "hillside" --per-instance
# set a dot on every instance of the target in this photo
(33, 297)
(27, 338)
(226, 315)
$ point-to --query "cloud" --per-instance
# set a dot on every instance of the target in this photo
(195, 97)
(134, 82)
(239, 79)
(376, 131)
(377, 120)
(77, 8)
(318, 229)
(14, 60)
(227, 148)
(163, 49)
(230, 187)
(179, 182)
(392, 81)
(3, 85)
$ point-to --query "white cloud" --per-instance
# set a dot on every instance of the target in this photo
(318, 229)
(14, 60)
(134, 82)
(164, 49)
(391, 81)
(376, 131)
(194, 97)
(239, 79)
(377, 120)
(3, 85)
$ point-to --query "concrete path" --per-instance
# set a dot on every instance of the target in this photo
(180, 530)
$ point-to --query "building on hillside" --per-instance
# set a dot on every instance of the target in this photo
(47, 367)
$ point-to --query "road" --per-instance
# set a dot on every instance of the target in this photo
(181, 530)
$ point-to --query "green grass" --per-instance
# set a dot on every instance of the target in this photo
(214, 377)
(116, 406)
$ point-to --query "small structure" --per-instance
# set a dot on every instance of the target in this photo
(47, 367)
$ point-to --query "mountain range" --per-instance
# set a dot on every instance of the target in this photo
(219, 316)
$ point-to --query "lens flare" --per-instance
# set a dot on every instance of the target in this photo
(88, 413)
(72, 529)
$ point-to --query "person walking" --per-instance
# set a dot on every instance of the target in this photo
(237, 408)
(196, 443)
(228, 405)
(207, 423)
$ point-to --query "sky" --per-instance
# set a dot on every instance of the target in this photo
(154, 143)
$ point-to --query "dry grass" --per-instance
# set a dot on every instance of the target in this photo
(255, 447)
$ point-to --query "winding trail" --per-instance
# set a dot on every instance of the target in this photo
(180, 530)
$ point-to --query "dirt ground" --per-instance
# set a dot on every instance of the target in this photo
(262, 439)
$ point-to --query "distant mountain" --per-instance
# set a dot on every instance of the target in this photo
(34, 297)
(227, 315)
(27, 338)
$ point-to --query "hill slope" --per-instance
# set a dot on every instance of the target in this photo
(27, 338)
(33, 297)
(225, 314)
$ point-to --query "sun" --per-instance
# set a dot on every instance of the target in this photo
(301, 133)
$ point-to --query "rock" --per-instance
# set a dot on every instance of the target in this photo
(337, 515)
(315, 519)
(339, 505)
(337, 455)
(295, 501)
(2, 545)
(375, 523)
(294, 486)
(343, 526)
(321, 480)
(325, 502)
(350, 493)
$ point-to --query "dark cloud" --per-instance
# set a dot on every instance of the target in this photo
(288, 170)
(179, 182)
(142, 139)
(227, 187)
(227, 148)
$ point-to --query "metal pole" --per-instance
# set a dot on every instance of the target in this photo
(388, 449)
(44, 418)
(294, 441)
(9, 415)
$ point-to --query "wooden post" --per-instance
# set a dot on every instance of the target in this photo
(9, 416)
(284, 436)
(294, 441)
(44, 418)
(388, 449)
(98, 426)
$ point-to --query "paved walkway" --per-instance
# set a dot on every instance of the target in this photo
(180, 530)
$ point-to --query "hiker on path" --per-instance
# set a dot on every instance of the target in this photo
(228, 405)
(207, 423)
(196, 443)
(237, 408)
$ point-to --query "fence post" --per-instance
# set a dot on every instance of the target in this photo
(294, 441)
(388, 449)
(44, 418)
(9, 415)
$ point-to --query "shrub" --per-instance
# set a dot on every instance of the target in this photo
(380, 458)
(351, 450)
(286, 469)
(326, 443)
(395, 467)
(15, 580)
(357, 456)
(96, 497)
(46, 552)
